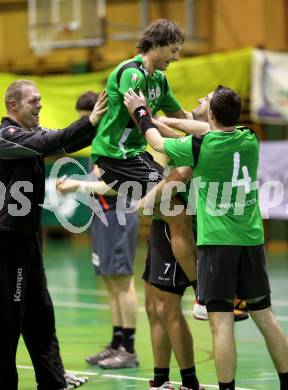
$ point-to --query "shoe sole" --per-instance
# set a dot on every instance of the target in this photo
(128, 365)
(91, 363)
(200, 318)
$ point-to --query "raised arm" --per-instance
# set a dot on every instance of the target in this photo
(17, 143)
(188, 126)
(164, 130)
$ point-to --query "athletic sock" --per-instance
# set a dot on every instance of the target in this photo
(227, 386)
(161, 375)
(189, 378)
(117, 337)
(129, 339)
(283, 380)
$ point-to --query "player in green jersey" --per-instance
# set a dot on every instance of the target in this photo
(231, 258)
(119, 147)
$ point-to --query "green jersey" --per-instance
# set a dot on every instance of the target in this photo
(225, 177)
(117, 136)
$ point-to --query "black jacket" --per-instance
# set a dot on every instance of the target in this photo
(22, 170)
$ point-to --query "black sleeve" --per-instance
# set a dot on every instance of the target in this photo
(196, 146)
(17, 143)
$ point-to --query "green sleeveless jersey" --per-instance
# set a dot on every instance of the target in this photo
(117, 136)
(225, 178)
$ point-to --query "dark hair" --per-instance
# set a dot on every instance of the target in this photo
(226, 106)
(87, 101)
(161, 32)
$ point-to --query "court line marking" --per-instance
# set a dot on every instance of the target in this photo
(103, 293)
(117, 377)
(103, 306)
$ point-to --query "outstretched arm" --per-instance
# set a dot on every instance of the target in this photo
(188, 126)
(17, 143)
(141, 116)
(92, 187)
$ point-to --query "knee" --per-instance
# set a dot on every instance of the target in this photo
(150, 308)
(163, 310)
(220, 316)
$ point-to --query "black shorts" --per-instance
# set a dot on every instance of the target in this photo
(141, 168)
(162, 269)
(226, 271)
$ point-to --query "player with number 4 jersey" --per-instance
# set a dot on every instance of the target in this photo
(231, 256)
(227, 171)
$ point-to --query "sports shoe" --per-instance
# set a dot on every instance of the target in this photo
(73, 381)
(199, 311)
(104, 354)
(240, 310)
(240, 315)
(166, 385)
(201, 387)
(120, 359)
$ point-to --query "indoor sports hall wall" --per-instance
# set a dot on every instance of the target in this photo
(219, 25)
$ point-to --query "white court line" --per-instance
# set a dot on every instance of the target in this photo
(103, 293)
(132, 378)
(103, 306)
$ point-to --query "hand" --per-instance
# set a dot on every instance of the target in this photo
(133, 101)
(99, 108)
(65, 185)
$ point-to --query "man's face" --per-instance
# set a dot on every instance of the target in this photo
(200, 113)
(28, 108)
(161, 56)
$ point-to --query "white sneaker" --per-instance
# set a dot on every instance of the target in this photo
(73, 381)
(200, 311)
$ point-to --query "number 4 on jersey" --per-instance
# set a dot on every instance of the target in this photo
(246, 181)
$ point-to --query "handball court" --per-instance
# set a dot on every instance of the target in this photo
(84, 327)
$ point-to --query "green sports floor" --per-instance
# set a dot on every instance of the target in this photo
(83, 326)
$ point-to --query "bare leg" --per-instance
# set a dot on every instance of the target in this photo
(275, 338)
(182, 239)
(113, 301)
(159, 338)
(168, 307)
(124, 295)
(222, 328)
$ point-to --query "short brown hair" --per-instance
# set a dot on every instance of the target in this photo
(161, 32)
(14, 91)
(87, 101)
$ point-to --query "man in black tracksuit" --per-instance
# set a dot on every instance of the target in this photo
(25, 304)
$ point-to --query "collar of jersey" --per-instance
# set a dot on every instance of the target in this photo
(140, 58)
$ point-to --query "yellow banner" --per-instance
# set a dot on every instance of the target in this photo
(190, 79)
